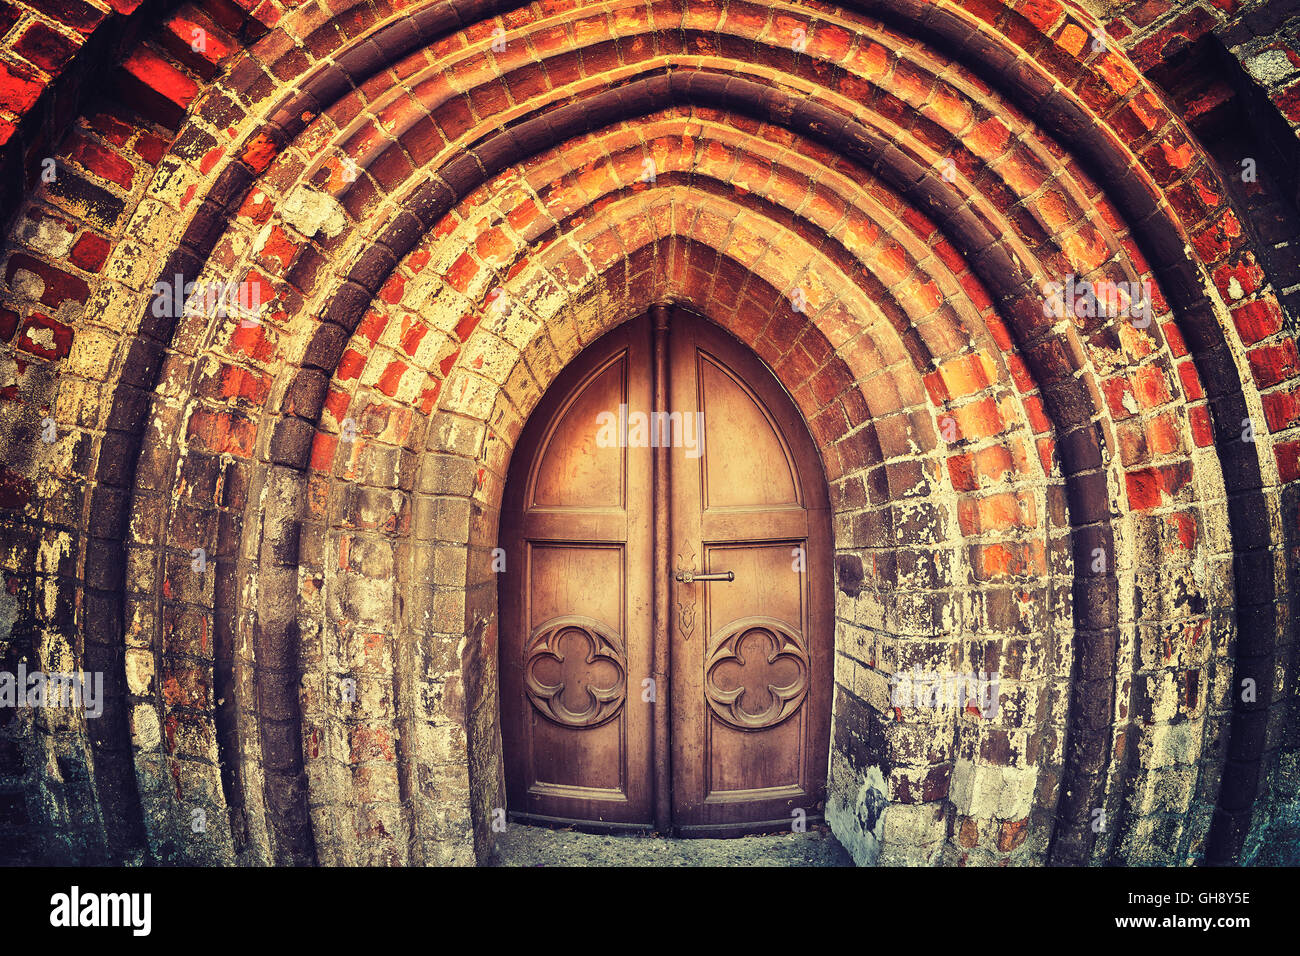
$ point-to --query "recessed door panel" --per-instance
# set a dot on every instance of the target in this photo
(772, 768)
(573, 470)
(745, 461)
(777, 564)
(575, 667)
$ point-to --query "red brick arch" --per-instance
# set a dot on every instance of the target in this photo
(924, 301)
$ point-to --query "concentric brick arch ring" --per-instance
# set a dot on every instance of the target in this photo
(397, 499)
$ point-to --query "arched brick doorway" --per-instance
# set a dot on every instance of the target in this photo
(666, 611)
(442, 203)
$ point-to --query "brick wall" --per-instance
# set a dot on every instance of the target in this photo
(272, 529)
(1228, 69)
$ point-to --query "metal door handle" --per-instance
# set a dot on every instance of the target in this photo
(686, 577)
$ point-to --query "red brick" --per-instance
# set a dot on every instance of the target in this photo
(391, 378)
(1144, 489)
(1282, 409)
(60, 286)
(278, 248)
(150, 148)
(1191, 381)
(1151, 386)
(90, 253)
(46, 48)
(1288, 460)
(19, 88)
(979, 419)
(1257, 320)
(323, 448)
(45, 337)
(103, 162)
(259, 152)
(1012, 834)
(462, 271)
(222, 432)
(157, 88)
(81, 16)
(1202, 428)
(1248, 276)
(1273, 364)
(9, 15)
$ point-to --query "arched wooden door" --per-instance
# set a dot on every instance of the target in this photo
(666, 612)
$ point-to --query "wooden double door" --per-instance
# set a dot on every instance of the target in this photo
(666, 610)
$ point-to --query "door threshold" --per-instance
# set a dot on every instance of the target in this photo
(722, 831)
(699, 831)
(582, 826)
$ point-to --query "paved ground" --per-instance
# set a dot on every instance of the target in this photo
(538, 846)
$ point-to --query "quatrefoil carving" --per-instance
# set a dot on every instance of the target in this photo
(575, 671)
(756, 673)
